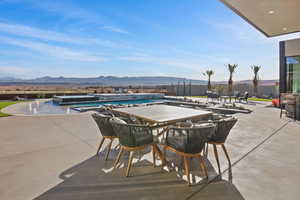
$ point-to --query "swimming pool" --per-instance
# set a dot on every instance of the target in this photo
(124, 102)
(49, 107)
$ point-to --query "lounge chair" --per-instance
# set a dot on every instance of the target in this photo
(244, 98)
(189, 142)
(212, 95)
(288, 105)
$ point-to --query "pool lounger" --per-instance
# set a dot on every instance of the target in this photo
(84, 109)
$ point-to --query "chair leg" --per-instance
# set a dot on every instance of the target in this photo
(187, 169)
(100, 145)
(229, 162)
(217, 158)
(118, 157)
(203, 166)
(118, 146)
(108, 149)
(153, 154)
(129, 163)
(206, 150)
(161, 155)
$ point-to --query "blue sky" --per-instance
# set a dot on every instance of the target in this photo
(89, 38)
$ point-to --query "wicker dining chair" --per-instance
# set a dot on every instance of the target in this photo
(189, 142)
(132, 138)
(288, 105)
(219, 137)
(106, 131)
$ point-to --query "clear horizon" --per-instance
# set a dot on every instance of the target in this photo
(131, 38)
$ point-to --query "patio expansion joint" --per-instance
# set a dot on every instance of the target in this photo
(258, 145)
(240, 159)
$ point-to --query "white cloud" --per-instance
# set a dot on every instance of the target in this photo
(115, 29)
(179, 63)
(193, 63)
(13, 70)
(53, 50)
(69, 11)
(27, 31)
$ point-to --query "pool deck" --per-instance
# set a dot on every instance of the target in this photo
(53, 157)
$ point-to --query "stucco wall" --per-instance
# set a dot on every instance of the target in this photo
(292, 47)
(200, 90)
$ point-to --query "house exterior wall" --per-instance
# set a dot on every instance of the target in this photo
(286, 49)
(292, 47)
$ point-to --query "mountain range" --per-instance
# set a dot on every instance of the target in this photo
(117, 81)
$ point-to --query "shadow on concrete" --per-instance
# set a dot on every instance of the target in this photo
(95, 179)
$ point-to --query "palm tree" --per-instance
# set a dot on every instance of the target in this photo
(255, 69)
(231, 69)
(208, 74)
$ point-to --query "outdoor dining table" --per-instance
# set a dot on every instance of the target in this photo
(163, 114)
(160, 116)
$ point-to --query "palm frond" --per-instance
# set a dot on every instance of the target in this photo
(255, 68)
(232, 67)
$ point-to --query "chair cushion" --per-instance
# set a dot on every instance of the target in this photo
(195, 125)
(100, 115)
(117, 120)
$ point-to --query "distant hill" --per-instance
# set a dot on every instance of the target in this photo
(104, 80)
(118, 81)
(9, 79)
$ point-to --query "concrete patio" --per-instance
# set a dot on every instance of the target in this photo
(53, 157)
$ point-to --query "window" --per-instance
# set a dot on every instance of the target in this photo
(293, 74)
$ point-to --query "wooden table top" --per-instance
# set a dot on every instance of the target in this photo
(162, 113)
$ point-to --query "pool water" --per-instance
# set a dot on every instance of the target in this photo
(44, 108)
(140, 101)
(39, 107)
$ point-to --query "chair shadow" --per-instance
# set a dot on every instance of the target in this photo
(95, 178)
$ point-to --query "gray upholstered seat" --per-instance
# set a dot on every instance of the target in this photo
(106, 130)
(189, 142)
(134, 137)
(104, 124)
(222, 130)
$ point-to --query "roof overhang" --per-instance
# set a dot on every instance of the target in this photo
(271, 17)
